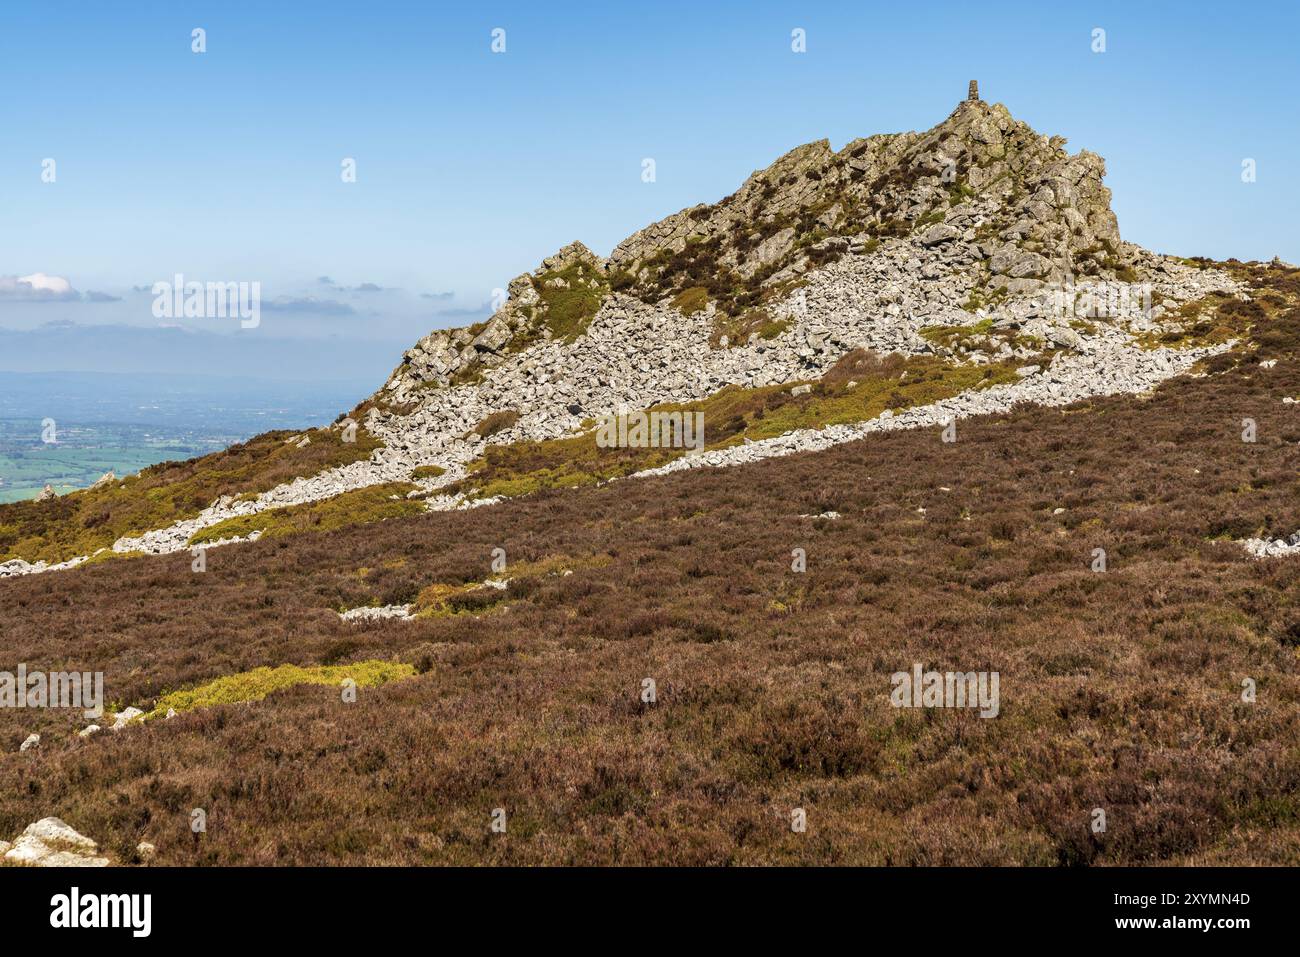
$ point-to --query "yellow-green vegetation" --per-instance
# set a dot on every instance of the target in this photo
(391, 563)
(739, 329)
(371, 504)
(960, 191)
(950, 336)
(439, 600)
(984, 300)
(428, 471)
(109, 555)
(570, 298)
(468, 374)
(257, 684)
(550, 565)
(977, 337)
(1212, 320)
(442, 600)
(358, 414)
(692, 300)
(83, 522)
(859, 387)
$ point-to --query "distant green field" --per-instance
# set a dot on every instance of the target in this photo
(83, 453)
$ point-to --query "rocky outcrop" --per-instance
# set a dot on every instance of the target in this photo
(16, 566)
(1273, 547)
(1034, 210)
(367, 613)
(980, 164)
(51, 843)
(445, 356)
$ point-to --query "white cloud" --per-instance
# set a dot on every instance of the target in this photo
(38, 287)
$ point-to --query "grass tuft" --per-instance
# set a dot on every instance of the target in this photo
(257, 684)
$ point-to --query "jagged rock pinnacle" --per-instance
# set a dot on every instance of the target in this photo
(1021, 210)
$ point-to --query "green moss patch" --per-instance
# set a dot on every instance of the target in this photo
(1212, 320)
(371, 504)
(571, 297)
(257, 684)
(739, 329)
(979, 299)
(692, 300)
(441, 600)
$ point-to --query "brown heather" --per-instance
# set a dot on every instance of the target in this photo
(1118, 690)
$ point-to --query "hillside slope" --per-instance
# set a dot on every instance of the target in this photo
(1121, 690)
(966, 251)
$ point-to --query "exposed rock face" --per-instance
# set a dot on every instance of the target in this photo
(1029, 207)
(980, 168)
(17, 566)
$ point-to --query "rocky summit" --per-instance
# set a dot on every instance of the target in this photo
(979, 244)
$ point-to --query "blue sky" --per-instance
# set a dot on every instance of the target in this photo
(472, 166)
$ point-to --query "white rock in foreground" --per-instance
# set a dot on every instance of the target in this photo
(368, 613)
(1272, 548)
(122, 718)
(52, 843)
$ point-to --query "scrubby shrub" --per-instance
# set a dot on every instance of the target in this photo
(496, 422)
